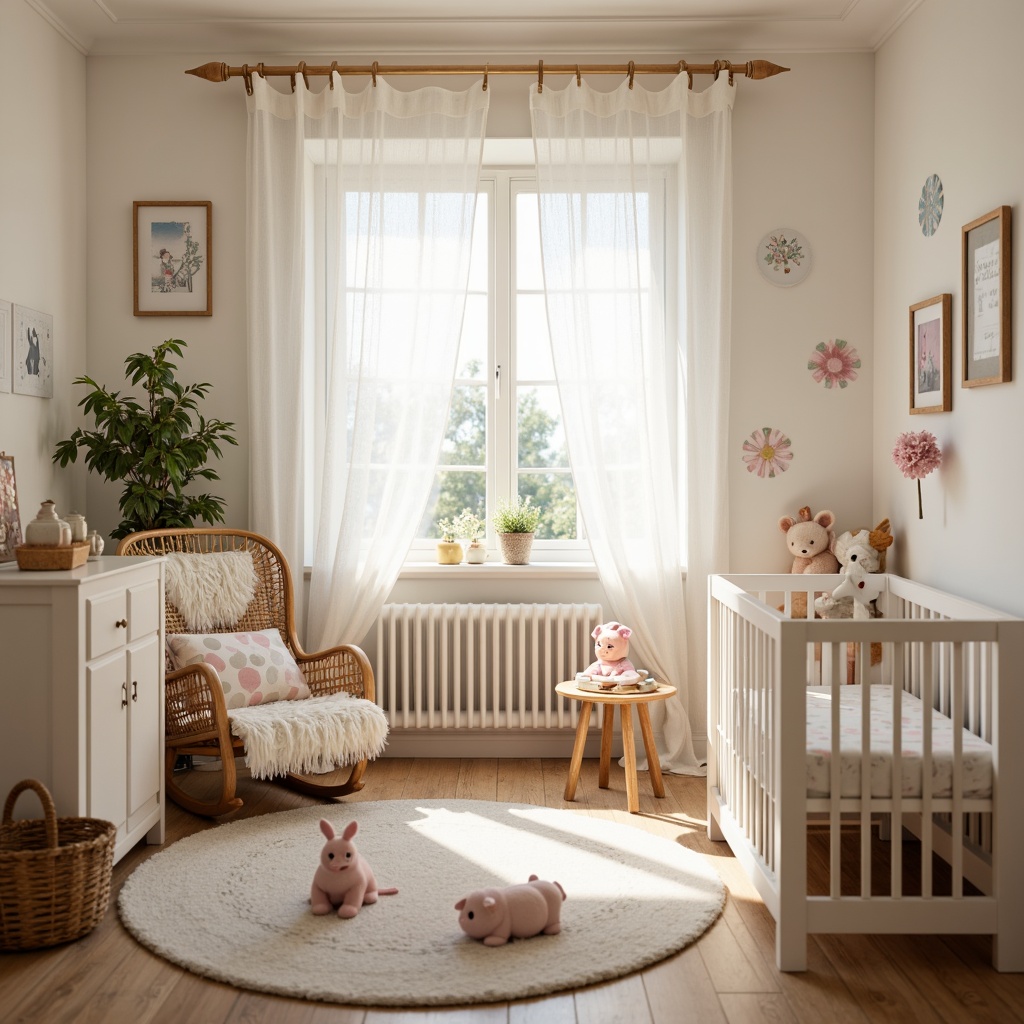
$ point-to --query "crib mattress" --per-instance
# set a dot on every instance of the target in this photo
(977, 753)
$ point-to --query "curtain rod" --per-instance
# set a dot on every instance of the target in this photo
(216, 71)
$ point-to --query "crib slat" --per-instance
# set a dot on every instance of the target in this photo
(927, 699)
(957, 779)
(863, 678)
(896, 815)
(835, 780)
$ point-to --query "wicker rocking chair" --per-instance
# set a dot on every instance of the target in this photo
(196, 716)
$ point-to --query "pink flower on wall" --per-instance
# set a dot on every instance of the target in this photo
(767, 452)
(834, 362)
(916, 455)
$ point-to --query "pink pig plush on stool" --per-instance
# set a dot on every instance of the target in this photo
(611, 645)
(343, 880)
(515, 912)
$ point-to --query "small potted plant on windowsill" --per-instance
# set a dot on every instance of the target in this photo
(471, 527)
(515, 523)
(449, 550)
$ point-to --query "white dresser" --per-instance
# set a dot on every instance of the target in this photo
(81, 692)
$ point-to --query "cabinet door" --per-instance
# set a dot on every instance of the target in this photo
(108, 738)
(145, 734)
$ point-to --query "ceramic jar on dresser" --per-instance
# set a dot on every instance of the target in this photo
(81, 691)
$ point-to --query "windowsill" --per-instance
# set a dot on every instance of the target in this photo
(498, 570)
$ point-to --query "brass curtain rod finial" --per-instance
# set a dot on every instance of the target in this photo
(761, 69)
(215, 71)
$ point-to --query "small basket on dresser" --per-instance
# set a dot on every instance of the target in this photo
(54, 874)
(42, 557)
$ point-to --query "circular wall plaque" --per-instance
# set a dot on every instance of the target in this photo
(929, 206)
(784, 257)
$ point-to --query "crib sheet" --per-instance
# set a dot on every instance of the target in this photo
(977, 753)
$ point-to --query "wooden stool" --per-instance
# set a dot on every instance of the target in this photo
(625, 701)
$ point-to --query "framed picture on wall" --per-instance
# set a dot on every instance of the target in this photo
(986, 263)
(10, 518)
(33, 352)
(172, 255)
(931, 355)
(6, 327)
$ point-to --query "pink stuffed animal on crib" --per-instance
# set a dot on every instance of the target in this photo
(343, 879)
(612, 648)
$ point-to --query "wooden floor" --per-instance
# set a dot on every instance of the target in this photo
(727, 976)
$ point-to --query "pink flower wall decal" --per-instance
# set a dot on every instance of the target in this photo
(834, 362)
(767, 452)
(916, 455)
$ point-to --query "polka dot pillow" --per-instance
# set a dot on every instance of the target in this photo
(254, 668)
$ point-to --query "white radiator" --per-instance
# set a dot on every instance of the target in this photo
(481, 666)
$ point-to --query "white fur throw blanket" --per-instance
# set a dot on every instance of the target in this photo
(212, 590)
(309, 736)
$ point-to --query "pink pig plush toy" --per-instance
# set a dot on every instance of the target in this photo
(343, 879)
(611, 645)
(515, 912)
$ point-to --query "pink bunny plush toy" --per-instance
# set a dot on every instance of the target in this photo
(343, 879)
(611, 645)
(516, 912)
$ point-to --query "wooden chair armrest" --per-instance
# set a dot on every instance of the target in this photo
(342, 668)
(193, 703)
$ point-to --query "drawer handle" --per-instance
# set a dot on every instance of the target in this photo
(121, 624)
(135, 689)
(124, 695)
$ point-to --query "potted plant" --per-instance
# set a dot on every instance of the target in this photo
(152, 446)
(471, 527)
(449, 550)
(515, 522)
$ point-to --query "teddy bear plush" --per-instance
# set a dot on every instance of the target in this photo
(810, 540)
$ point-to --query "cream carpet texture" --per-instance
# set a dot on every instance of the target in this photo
(232, 903)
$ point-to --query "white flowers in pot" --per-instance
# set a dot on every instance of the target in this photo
(466, 525)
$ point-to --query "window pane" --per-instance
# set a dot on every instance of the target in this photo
(453, 491)
(529, 273)
(539, 428)
(533, 346)
(465, 440)
(473, 346)
(555, 495)
(478, 261)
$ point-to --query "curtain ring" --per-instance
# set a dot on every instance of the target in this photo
(292, 77)
(578, 82)
(302, 71)
(540, 76)
(485, 78)
(683, 66)
(259, 70)
(247, 78)
(632, 70)
(373, 74)
(334, 68)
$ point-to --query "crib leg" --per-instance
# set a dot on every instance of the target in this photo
(790, 947)
(715, 833)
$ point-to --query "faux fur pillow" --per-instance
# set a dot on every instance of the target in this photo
(254, 668)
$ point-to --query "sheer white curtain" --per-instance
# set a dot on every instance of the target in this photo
(386, 182)
(634, 219)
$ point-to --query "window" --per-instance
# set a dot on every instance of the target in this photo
(504, 434)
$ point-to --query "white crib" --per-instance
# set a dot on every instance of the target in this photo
(955, 781)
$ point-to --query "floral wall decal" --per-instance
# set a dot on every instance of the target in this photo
(834, 363)
(929, 206)
(783, 257)
(767, 452)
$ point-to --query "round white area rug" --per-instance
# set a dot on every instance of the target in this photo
(232, 903)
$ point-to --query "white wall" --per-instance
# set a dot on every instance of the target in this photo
(947, 101)
(42, 239)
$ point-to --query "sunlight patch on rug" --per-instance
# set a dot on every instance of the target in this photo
(232, 903)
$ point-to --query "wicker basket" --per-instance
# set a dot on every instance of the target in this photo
(54, 874)
(38, 556)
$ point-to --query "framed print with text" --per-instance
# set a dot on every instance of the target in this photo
(986, 264)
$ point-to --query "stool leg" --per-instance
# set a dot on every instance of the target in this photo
(577, 751)
(606, 745)
(653, 761)
(632, 790)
